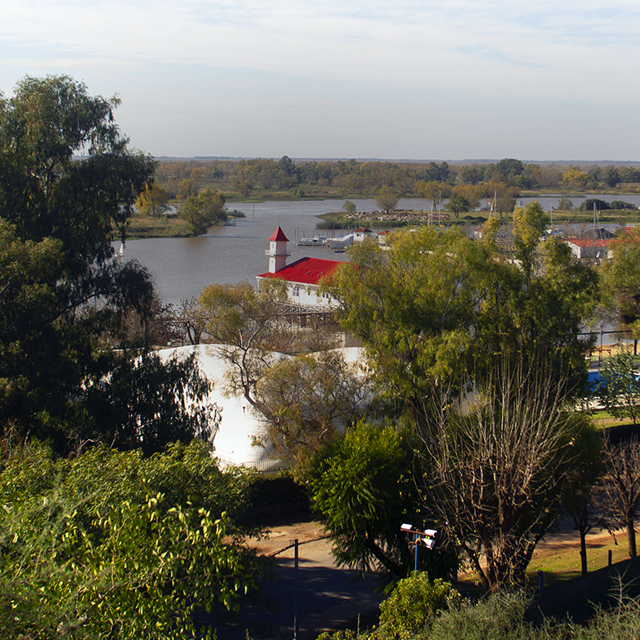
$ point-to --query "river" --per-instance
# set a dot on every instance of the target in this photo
(182, 267)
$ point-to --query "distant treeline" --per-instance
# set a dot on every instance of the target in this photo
(246, 177)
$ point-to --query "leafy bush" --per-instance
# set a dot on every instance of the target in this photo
(115, 545)
(590, 203)
(622, 205)
(413, 605)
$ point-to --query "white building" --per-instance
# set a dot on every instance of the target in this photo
(303, 276)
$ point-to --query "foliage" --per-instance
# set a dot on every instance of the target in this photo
(621, 486)
(509, 168)
(500, 616)
(565, 204)
(362, 491)
(150, 402)
(386, 198)
(619, 387)
(306, 401)
(349, 206)
(115, 545)
(434, 191)
(71, 209)
(478, 355)
(458, 204)
(620, 289)
(203, 210)
(579, 494)
(436, 305)
(152, 201)
(413, 605)
(529, 225)
(247, 326)
(622, 205)
(595, 203)
(497, 467)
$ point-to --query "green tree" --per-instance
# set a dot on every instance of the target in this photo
(509, 168)
(248, 327)
(306, 401)
(386, 198)
(51, 200)
(580, 498)
(611, 177)
(471, 174)
(528, 228)
(434, 191)
(111, 544)
(362, 492)
(149, 403)
(152, 201)
(458, 204)
(565, 204)
(620, 289)
(203, 210)
(349, 206)
(445, 322)
(619, 389)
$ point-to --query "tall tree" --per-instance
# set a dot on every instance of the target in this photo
(496, 470)
(67, 185)
(478, 354)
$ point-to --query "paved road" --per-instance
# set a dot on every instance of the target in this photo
(329, 598)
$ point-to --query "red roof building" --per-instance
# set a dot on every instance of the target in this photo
(589, 247)
(303, 276)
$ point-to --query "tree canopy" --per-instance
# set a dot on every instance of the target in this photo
(112, 544)
(68, 181)
(478, 352)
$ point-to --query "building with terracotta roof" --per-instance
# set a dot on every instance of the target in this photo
(303, 276)
(589, 248)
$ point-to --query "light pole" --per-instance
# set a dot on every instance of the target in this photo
(417, 537)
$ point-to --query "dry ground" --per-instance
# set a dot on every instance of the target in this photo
(558, 554)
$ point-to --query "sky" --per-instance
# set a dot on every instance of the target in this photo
(401, 79)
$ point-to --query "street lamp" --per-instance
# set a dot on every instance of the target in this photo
(417, 537)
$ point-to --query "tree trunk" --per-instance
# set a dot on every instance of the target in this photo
(583, 553)
(631, 537)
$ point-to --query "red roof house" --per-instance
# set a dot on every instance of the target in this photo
(303, 276)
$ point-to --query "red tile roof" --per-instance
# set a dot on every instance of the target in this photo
(589, 242)
(278, 236)
(305, 270)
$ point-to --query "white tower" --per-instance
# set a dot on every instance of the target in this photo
(277, 251)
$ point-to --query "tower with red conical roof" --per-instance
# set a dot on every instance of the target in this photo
(277, 251)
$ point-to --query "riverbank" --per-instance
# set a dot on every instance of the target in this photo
(157, 227)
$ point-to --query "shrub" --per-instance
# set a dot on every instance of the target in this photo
(499, 617)
(413, 605)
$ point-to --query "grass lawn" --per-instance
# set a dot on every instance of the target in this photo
(561, 561)
(559, 557)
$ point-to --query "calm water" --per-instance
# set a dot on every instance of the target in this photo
(182, 267)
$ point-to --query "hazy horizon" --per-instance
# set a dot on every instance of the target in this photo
(348, 79)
